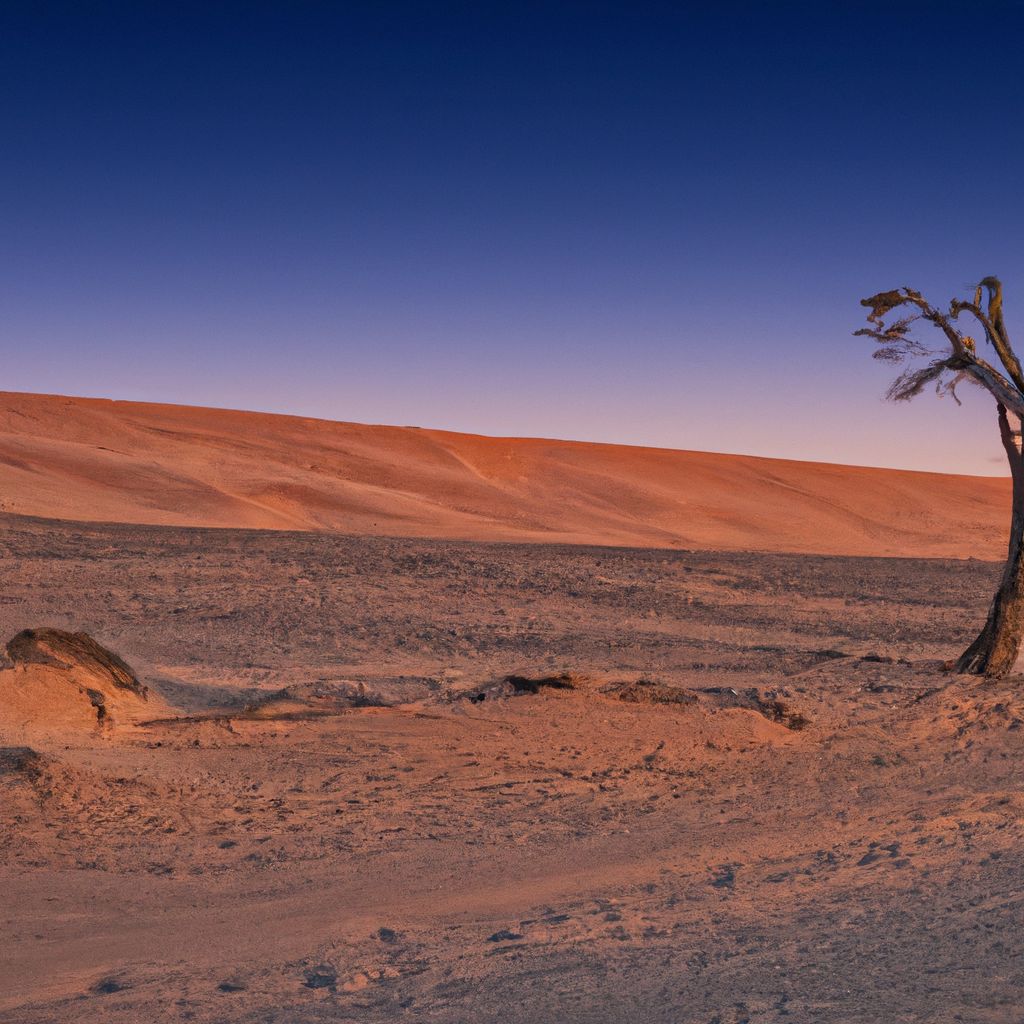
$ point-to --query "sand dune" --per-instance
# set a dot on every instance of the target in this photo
(98, 460)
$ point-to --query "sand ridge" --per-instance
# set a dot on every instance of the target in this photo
(100, 460)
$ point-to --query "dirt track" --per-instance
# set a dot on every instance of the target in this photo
(564, 855)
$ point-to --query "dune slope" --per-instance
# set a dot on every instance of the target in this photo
(98, 460)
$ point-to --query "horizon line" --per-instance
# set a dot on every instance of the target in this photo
(507, 437)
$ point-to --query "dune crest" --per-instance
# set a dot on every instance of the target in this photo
(98, 460)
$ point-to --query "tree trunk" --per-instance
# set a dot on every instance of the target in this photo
(994, 652)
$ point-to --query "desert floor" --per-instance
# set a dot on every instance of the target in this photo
(749, 793)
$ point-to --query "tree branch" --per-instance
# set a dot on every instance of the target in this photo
(995, 306)
(929, 312)
(988, 377)
(963, 360)
(995, 328)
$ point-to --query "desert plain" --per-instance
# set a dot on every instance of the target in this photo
(420, 726)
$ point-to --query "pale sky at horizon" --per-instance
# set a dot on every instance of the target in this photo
(643, 224)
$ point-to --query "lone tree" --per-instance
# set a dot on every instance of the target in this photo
(892, 318)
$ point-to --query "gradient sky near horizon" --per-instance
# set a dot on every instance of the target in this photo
(643, 223)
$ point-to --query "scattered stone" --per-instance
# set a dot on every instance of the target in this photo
(106, 986)
(504, 936)
(650, 758)
(20, 761)
(523, 684)
(646, 691)
(726, 877)
(321, 976)
(766, 704)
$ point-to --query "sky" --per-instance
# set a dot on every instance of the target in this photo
(638, 223)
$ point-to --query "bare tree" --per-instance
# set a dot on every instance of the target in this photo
(892, 319)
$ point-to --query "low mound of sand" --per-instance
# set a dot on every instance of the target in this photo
(89, 459)
(298, 702)
(313, 700)
(62, 681)
(73, 651)
(732, 715)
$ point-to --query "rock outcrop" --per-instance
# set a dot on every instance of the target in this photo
(60, 681)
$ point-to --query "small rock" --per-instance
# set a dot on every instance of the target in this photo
(321, 976)
(726, 877)
(105, 986)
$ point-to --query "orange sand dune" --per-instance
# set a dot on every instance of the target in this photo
(94, 459)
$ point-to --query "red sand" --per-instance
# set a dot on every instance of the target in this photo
(97, 460)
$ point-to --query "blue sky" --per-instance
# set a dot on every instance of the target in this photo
(620, 222)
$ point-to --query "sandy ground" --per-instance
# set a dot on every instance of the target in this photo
(87, 459)
(750, 792)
